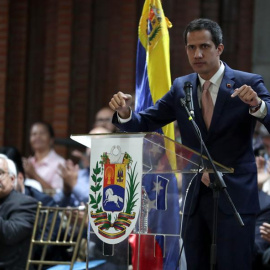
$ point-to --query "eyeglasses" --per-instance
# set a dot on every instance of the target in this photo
(2, 174)
(103, 119)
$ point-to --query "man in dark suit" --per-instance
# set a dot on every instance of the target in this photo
(13, 153)
(238, 100)
(46, 200)
(17, 216)
(262, 244)
(262, 235)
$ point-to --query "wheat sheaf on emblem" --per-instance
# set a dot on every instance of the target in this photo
(112, 208)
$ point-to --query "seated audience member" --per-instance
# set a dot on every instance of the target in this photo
(17, 217)
(46, 200)
(76, 181)
(263, 161)
(43, 166)
(262, 237)
(104, 119)
(265, 235)
(14, 154)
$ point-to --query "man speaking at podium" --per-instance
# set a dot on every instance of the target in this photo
(227, 103)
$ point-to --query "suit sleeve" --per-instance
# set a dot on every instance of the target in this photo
(19, 223)
(154, 117)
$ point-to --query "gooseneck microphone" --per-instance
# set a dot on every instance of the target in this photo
(189, 100)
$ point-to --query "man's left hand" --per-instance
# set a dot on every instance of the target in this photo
(247, 95)
(265, 231)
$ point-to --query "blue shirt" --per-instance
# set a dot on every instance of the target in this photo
(79, 194)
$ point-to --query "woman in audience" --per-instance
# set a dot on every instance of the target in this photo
(43, 166)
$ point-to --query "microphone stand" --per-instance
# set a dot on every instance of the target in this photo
(217, 186)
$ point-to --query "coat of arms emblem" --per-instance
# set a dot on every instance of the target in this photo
(114, 196)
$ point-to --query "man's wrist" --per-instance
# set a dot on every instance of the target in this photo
(67, 189)
(255, 108)
(125, 115)
(121, 120)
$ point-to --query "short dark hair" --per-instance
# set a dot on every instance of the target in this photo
(47, 126)
(205, 24)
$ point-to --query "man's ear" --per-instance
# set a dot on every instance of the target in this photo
(20, 182)
(220, 49)
(13, 179)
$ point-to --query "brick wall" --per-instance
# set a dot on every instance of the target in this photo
(3, 64)
(62, 60)
(16, 73)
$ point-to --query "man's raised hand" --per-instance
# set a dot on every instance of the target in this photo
(120, 102)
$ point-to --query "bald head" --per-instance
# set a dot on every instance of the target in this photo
(104, 119)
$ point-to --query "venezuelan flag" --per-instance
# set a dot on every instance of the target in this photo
(153, 80)
(153, 76)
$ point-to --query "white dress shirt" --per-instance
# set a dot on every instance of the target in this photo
(213, 89)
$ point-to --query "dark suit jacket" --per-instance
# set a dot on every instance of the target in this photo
(45, 199)
(229, 138)
(17, 216)
(54, 253)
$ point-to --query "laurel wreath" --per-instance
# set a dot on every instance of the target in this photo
(95, 200)
(155, 32)
(132, 186)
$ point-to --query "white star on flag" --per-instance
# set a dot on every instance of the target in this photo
(157, 187)
(151, 205)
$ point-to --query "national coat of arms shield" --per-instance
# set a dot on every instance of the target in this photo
(114, 183)
(115, 190)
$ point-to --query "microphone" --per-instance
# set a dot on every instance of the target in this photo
(189, 100)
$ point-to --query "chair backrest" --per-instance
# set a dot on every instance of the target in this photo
(56, 227)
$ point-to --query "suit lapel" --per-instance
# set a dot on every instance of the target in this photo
(198, 112)
(224, 95)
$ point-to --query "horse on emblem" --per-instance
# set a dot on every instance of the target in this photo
(110, 197)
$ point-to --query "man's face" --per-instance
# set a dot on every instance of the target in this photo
(6, 181)
(40, 138)
(202, 53)
(104, 119)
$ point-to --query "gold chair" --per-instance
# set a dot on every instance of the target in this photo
(56, 227)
